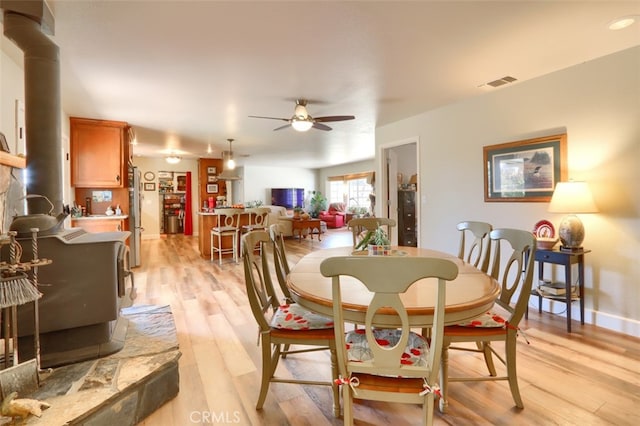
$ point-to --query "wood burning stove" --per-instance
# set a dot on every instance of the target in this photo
(79, 309)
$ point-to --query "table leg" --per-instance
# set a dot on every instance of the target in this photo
(581, 288)
(567, 277)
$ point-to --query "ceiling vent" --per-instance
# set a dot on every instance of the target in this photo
(499, 82)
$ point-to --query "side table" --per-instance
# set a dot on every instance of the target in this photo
(302, 224)
(566, 259)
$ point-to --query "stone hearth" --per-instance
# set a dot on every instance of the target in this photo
(122, 388)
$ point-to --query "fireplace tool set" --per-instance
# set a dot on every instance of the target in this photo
(19, 285)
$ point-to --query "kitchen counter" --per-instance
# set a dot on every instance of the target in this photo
(101, 222)
(102, 216)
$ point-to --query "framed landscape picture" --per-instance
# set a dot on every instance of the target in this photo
(212, 188)
(526, 170)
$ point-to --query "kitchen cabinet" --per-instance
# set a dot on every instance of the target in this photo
(100, 153)
(407, 235)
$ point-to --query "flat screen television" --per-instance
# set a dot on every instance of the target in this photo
(287, 197)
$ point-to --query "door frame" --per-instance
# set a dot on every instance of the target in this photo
(386, 191)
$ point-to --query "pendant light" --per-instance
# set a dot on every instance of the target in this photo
(231, 164)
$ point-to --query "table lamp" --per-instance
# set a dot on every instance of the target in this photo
(572, 197)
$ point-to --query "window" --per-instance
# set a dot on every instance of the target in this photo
(353, 190)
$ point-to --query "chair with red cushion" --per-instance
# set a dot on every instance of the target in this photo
(501, 323)
(282, 326)
(388, 364)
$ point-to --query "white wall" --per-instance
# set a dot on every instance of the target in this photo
(258, 181)
(11, 89)
(597, 103)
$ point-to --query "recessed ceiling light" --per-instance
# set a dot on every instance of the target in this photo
(624, 22)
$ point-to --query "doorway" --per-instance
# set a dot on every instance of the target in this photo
(399, 167)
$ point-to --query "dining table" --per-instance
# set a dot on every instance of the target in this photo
(470, 294)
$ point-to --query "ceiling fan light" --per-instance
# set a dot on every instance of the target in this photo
(301, 125)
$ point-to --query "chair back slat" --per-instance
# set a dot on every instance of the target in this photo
(228, 218)
(360, 226)
(260, 292)
(516, 274)
(280, 262)
(478, 252)
(258, 217)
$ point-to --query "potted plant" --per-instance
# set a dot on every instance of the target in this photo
(377, 243)
(358, 211)
(297, 211)
(317, 203)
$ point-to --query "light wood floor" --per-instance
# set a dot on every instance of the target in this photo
(589, 377)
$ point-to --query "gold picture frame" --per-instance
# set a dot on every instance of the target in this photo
(526, 170)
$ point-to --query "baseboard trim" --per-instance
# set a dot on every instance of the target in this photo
(617, 323)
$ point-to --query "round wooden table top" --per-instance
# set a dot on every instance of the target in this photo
(472, 292)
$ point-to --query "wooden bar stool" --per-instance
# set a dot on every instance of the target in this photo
(258, 221)
(228, 225)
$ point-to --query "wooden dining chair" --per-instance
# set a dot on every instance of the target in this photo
(501, 323)
(388, 364)
(285, 325)
(478, 251)
(360, 226)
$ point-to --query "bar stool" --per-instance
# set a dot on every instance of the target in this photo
(258, 221)
(228, 225)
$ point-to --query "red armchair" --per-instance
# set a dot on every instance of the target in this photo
(334, 216)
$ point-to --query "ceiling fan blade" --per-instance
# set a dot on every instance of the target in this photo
(321, 126)
(269, 118)
(282, 127)
(334, 118)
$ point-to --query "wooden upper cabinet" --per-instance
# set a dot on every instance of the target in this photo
(100, 153)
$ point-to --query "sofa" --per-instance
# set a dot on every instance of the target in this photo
(280, 216)
(334, 216)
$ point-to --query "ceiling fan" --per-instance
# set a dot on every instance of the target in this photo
(302, 121)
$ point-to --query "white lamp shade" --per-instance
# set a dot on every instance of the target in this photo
(173, 159)
(572, 197)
